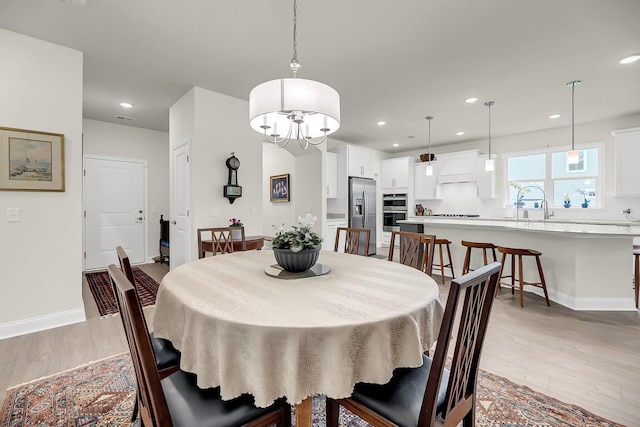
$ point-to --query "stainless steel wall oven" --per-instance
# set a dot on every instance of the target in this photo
(394, 208)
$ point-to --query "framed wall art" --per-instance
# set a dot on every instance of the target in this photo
(280, 190)
(31, 160)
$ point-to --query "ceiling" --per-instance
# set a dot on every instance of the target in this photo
(396, 61)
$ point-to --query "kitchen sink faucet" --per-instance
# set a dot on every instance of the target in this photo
(545, 204)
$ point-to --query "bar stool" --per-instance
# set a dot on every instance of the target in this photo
(520, 253)
(477, 245)
(442, 265)
(636, 271)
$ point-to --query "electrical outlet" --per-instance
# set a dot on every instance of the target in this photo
(253, 210)
(214, 211)
(13, 214)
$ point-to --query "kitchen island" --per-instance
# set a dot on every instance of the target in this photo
(587, 265)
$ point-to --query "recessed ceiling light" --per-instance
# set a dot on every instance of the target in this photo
(630, 59)
(381, 123)
(126, 105)
(471, 100)
(554, 116)
(460, 133)
(396, 144)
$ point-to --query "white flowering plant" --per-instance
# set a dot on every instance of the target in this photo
(301, 237)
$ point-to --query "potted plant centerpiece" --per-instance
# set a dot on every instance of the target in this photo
(297, 250)
(585, 204)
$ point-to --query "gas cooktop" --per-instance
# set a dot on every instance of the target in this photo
(458, 215)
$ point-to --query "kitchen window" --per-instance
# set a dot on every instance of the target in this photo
(549, 170)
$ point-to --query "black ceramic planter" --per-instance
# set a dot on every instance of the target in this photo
(296, 261)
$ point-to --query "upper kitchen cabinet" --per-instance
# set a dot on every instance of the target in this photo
(425, 186)
(486, 180)
(395, 174)
(360, 161)
(332, 176)
(627, 154)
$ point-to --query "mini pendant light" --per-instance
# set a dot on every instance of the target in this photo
(573, 156)
(489, 164)
(429, 169)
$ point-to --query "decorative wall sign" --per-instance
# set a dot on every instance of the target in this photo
(280, 190)
(31, 160)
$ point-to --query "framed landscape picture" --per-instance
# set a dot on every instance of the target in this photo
(280, 189)
(31, 160)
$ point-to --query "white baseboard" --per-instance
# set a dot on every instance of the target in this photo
(41, 323)
(585, 304)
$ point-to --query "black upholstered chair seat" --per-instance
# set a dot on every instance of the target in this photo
(191, 406)
(166, 355)
(401, 398)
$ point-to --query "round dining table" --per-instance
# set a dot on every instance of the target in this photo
(246, 331)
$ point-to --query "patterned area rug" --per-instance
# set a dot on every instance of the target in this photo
(102, 394)
(102, 291)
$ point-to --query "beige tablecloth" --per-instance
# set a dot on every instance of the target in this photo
(251, 333)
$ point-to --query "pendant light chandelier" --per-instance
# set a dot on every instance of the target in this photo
(573, 156)
(489, 164)
(429, 170)
(293, 108)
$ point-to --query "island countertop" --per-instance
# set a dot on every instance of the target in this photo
(588, 265)
(588, 227)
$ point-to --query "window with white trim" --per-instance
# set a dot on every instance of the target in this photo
(578, 184)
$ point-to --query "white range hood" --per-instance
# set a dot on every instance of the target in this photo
(457, 167)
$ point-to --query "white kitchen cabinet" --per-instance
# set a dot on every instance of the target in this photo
(627, 142)
(425, 186)
(360, 162)
(486, 180)
(332, 176)
(330, 231)
(395, 173)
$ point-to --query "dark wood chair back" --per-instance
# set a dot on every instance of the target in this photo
(352, 239)
(416, 249)
(221, 240)
(477, 290)
(125, 265)
(152, 405)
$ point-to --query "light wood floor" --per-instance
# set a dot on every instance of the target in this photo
(591, 359)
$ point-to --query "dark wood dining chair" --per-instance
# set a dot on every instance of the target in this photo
(432, 395)
(352, 239)
(176, 400)
(221, 240)
(416, 249)
(167, 357)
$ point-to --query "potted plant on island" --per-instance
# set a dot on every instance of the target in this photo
(585, 204)
(298, 249)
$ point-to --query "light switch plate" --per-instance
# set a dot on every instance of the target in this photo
(13, 214)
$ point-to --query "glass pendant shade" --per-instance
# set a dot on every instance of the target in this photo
(573, 157)
(489, 165)
(429, 170)
(278, 105)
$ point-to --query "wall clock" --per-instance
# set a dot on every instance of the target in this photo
(232, 190)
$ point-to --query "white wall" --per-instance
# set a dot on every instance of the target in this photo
(559, 137)
(276, 161)
(41, 256)
(217, 125)
(113, 140)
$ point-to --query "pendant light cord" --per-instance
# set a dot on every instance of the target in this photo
(489, 104)
(295, 65)
(429, 119)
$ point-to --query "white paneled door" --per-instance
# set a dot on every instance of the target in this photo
(180, 224)
(115, 202)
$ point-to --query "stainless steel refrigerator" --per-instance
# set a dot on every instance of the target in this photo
(362, 209)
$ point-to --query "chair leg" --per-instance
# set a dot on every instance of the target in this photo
(504, 258)
(333, 413)
(542, 281)
(636, 282)
(521, 280)
(441, 264)
(467, 260)
(513, 274)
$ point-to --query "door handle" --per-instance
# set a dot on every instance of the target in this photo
(140, 218)
(174, 222)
